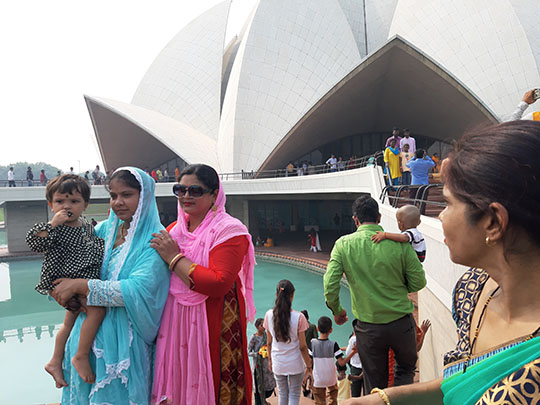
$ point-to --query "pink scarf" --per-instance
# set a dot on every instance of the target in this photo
(185, 377)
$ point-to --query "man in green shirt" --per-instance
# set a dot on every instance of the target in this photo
(380, 276)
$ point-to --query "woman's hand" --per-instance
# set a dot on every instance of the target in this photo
(165, 245)
(66, 288)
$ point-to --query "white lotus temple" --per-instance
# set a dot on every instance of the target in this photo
(306, 78)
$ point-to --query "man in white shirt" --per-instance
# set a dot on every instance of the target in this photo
(407, 139)
(11, 177)
(332, 162)
(526, 101)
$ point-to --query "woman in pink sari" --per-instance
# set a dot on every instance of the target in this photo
(201, 354)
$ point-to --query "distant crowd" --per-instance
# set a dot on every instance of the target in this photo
(94, 177)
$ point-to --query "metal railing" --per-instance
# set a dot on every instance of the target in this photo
(310, 170)
(418, 196)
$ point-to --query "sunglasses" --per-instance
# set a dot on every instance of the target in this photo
(180, 190)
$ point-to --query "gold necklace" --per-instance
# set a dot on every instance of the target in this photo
(123, 231)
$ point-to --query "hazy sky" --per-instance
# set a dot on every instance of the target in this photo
(55, 51)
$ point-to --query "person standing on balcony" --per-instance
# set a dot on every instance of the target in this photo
(332, 163)
(29, 177)
(408, 139)
(11, 177)
(405, 155)
(391, 160)
(395, 136)
(380, 277)
(420, 166)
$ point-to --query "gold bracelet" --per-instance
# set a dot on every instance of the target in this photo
(191, 268)
(174, 260)
(381, 394)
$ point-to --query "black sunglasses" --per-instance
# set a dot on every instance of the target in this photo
(179, 190)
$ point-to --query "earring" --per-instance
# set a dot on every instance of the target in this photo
(489, 242)
(214, 209)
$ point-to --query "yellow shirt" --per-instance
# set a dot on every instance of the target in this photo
(393, 163)
(344, 390)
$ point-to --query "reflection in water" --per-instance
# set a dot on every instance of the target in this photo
(38, 332)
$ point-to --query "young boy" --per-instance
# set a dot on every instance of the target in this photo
(405, 155)
(408, 218)
(323, 351)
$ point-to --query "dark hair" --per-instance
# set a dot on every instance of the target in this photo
(282, 310)
(124, 176)
(324, 324)
(258, 322)
(419, 153)
(304, 311)
(66, 184)
(205, 174)
(365, 209)
(340, 368)
(500, 164)
(395, 129)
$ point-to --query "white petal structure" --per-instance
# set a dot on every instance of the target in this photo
(303, 73)
(184, 82)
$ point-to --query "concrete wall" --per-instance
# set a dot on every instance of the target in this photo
(19, 218)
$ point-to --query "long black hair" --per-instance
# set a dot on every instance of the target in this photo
(282, 310)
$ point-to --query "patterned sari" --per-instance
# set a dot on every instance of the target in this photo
(507, 374)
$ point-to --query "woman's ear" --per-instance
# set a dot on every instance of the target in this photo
(496, 222)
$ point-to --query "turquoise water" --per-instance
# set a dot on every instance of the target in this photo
(29, 322)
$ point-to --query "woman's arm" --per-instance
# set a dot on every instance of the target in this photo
(428, 393)
(304, 350)
(269, 348)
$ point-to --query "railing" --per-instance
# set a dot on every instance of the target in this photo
(263, 174)
(418, 196)
(300, 171)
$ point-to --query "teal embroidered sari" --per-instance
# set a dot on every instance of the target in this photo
(509, 374)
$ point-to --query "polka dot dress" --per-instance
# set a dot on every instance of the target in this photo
(70, 252)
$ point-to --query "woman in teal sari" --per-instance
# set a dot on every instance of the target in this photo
(133, 287)
(492, 224)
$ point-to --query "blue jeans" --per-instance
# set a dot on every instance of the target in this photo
(289, 388)
(406, 178)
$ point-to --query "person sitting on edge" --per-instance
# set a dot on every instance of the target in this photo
(323, 350)
(420, 166)
(72, 250)
(408, 218)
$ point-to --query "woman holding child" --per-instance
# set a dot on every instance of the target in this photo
(491, 224)
(133, 289)
(201, 353)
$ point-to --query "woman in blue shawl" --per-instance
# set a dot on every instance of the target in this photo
(133, 287)
(491, 224)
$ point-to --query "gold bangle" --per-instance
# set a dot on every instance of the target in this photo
(174, 260)
(381, 394)
(192, 268)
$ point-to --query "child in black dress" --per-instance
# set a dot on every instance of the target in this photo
(72, 250)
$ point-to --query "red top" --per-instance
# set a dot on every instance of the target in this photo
(225, 262)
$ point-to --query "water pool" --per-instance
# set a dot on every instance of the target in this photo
(29, 322)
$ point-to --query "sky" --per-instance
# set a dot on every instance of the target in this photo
(54, 52)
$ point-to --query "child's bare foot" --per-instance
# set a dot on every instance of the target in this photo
(83, 367)
(54, 368)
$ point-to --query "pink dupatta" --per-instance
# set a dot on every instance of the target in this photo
(183, 369)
